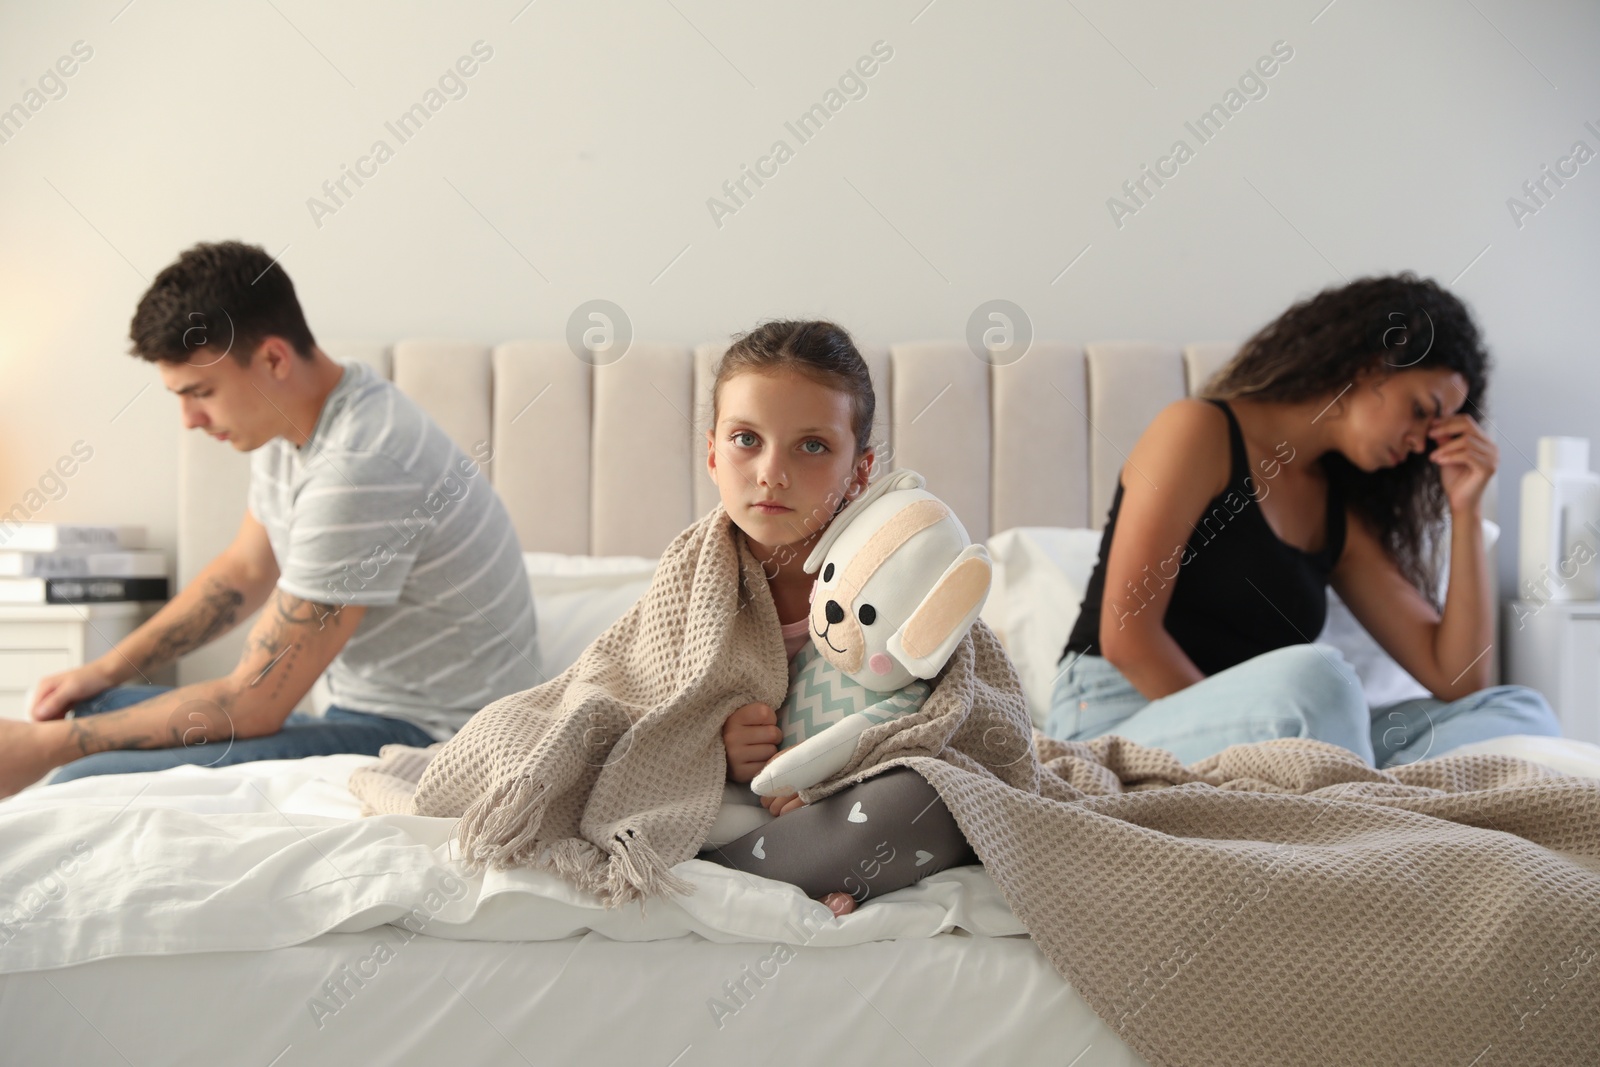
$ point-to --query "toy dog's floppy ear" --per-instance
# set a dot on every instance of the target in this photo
(924, 644)
(901, 479)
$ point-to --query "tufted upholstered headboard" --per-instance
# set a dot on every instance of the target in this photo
(610, 459)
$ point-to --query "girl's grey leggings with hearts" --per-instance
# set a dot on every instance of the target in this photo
(871, 838)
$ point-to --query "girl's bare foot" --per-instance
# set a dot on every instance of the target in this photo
(840, 904)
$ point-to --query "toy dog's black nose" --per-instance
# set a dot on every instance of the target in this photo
(834, 613)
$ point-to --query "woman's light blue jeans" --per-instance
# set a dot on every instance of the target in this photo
(340, 730)
(1298, 691)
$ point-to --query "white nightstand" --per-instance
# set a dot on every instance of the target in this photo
(1555, 648)
(40, 639)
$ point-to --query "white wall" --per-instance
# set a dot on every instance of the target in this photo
(977, 165)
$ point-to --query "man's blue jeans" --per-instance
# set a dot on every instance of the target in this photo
(341, 730)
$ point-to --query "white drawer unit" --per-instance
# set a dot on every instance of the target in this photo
(36, 640)
(1555, 648)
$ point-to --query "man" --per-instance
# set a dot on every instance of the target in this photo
(380, 554)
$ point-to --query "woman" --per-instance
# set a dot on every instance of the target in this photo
(1327, 451)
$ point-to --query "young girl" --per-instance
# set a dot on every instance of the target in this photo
(1327, 451)
(792, 408)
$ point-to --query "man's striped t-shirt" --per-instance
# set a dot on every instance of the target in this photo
(379, 508)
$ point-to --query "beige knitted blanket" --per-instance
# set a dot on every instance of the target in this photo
(1278, 903)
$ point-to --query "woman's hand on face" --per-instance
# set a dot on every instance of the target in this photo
(1466, 457)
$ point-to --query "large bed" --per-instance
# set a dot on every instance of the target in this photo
(248, 915)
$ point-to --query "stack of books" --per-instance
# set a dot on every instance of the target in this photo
(60, 563)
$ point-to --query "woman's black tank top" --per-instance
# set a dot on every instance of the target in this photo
(1239, 591)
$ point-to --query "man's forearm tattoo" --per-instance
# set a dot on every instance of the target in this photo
(218, 609)
(89, 734)
(195, 721)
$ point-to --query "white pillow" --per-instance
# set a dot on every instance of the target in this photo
(575, 598)
(1040, 574)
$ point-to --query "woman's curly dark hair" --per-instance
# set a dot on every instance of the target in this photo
(1389, 324)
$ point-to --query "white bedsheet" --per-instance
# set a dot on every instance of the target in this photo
(272, 854)
(947, 1000)
(198, 916)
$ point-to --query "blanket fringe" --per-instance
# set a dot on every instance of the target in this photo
(501, 827)
(637, 872)
(578, 861)
(501, 830)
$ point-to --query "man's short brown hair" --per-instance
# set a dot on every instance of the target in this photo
(226, 297)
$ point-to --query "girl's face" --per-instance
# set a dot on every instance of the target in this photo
(1387, 416)
(783, 455)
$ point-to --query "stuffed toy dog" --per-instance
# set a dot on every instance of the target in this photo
(900, 584)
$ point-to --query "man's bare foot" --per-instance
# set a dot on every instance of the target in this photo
(840, 904)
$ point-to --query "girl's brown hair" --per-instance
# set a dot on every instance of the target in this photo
(822, 351)
(1390, 324)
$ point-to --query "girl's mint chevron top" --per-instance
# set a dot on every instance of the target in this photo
(820, 695)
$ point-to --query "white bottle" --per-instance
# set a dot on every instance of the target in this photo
(1559, 555)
